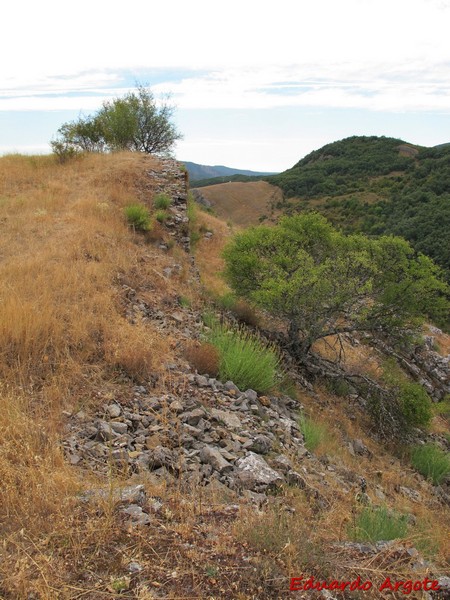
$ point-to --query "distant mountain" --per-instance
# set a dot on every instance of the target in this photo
(377, 185)
(198, 172)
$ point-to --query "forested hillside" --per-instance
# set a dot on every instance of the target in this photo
(379, 186)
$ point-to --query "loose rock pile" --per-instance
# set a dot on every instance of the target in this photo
(212, 432)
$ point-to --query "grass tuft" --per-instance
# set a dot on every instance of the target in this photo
(162, 201)
(432, 462)
(377, 524)
(138, 216)
(244, 359)
(314, 433)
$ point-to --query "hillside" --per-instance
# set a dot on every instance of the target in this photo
(198, 172)
(130, 467)
(244, 203)
(377, 186)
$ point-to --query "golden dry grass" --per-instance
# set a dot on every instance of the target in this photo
(208, 253)
(64, 250)
(65, 254)
(243, 203)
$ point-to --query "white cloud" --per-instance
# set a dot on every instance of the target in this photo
(384, 50)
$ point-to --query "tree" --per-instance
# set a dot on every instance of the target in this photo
(134, 123)
(326, 283)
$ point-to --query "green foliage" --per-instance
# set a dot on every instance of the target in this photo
(134, 122)
(324, 282)
(341, 167)
(406, 402)
(314, 433)
(377, 524)
(367, 185)
(162, 201)
(244, 358)
(161, 216)
(138, 216)
(432, 462)
(415, 405)
(338, 387)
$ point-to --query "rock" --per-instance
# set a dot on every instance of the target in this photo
(294, 478)
(114, 410)
(254, 473)
(282, 463)
(133, 494)
(229, 419)
(161, 457)
(120, 456)
(360, 448)
(231, 387)
(134, 567)
(105, 432)
(444, 584)
(251, 395)
(176, 406)
(177, 316)
(260, 444)
(136, 514)
(213, 457)
(119, 427)
(409, 493)
(202, 381)
(193, 417)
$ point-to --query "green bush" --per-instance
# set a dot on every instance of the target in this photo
(162, 202)
(244, 358)
(432, 462)
(376, 524)
(415, 405)
(314, 433)
(138, 216)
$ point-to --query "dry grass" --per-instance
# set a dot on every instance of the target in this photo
(358, 359)
(204, 357)
(65, 252)
(243, 203)
(208, 253)
(65, 244)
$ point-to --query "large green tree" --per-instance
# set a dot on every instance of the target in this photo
(324, 283)
(135, 122)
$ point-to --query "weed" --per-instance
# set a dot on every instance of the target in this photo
(314, 433)
(432, 462)
(138, 216)
(376, 524)
(162, 201)
(184, 301)
(245, 359)
(161, 216)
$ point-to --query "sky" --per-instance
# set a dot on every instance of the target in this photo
(256, 84)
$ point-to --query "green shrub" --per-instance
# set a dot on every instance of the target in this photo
(314, 433)
(161, 216)
(415, 405)
(162, 201)
(376, 524)
(138, 216)
(244, 358)
(338, 387)
(432, 462)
